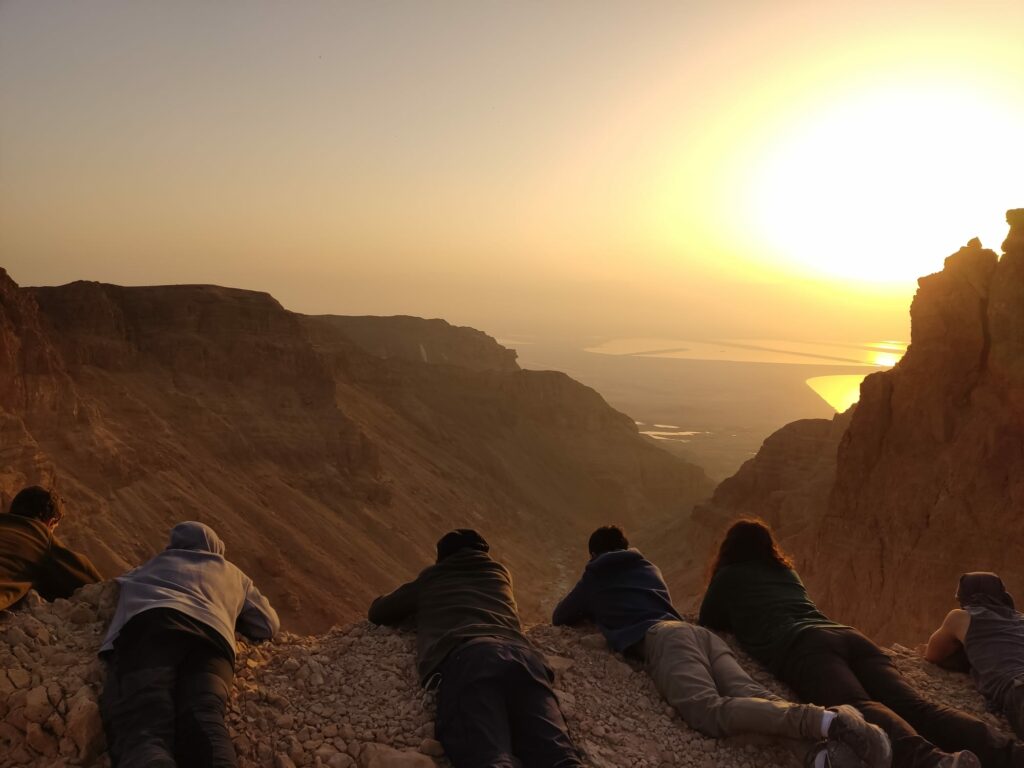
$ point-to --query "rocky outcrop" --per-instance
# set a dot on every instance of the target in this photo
(350, 698)
(329, 467)
(928, 473)
(786, 484)
(930, 476)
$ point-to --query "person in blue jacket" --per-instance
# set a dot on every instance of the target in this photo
(696, 671)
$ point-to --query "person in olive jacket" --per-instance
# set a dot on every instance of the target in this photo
(31, 557)
(495, 704)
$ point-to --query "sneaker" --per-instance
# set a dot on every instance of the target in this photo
(868, 742)
(811, 756)
(961, 759)
(840, 755)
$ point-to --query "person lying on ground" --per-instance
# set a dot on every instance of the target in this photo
(696, 671)
(170, 651)
(31, 556)
(495, 703)
(755, 593)
(988, 629)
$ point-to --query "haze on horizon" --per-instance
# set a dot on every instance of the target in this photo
(690, 170)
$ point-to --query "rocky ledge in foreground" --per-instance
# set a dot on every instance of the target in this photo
(350, 698)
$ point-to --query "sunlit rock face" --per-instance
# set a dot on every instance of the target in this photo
(884, 507)
(930, 474)
(786, 484)
(329, 453)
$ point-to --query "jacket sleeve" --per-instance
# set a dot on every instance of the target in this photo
(714, 612)
(63, 571)
(394, 608)
(573, 608)
(258, 619)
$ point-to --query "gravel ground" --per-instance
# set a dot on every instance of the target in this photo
(350, 698)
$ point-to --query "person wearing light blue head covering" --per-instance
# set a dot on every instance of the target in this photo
(171, 650)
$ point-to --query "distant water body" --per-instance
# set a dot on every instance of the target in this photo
(839, 391)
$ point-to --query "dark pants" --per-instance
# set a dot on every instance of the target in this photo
(164, 701)
(830, 666)
(1013, 707)
(496, 709)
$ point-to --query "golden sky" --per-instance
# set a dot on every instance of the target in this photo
(685, 168)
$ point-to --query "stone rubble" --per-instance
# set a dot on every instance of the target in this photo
(350, 698)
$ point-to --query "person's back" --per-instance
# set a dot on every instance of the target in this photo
(495, 703)
(31, 557)
(170, 649)
(995, 649)
(755, 592)
(467, 594)
(624, 594)
(193, 577)
(764, 603)
(988, 631)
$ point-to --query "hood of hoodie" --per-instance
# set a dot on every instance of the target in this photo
(197, 537)
(614, 560)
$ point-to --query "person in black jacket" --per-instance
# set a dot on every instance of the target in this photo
(755, 593)
(696, 671)
(495, 701)
(31, 557)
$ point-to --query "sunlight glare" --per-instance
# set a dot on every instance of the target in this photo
(883, 183)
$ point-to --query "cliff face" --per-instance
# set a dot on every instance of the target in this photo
(930, 475)
(786, 484)
(924, 478)
(427, 341)
(329, 459)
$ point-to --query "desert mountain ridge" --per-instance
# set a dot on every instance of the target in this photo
(886, 505)
(329, 452)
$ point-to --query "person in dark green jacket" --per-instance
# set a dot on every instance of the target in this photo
(495, 703)
(755, 593)
(31, 557)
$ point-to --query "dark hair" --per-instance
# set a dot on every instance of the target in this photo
(458, 539)
(39, 504)
(749, 539)
(607, 538)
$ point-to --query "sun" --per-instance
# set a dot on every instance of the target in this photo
(881, 182)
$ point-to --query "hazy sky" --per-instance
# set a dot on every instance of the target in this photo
(778, 169)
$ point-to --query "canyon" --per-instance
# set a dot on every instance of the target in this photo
(885, 506)
(329, 452)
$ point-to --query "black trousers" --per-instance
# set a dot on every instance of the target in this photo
(496, 709)
(831, 666)
(164, 701)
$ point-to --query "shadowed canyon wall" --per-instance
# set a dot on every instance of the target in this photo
(927, 479)
(329, 452)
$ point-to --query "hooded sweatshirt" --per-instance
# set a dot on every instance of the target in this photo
(31, 557)
(623, 593)
(466, 595)
(193, 577)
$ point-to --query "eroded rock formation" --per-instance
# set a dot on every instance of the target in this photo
(330, 453)
(928, 474)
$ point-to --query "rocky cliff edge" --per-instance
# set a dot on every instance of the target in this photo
(350, 698)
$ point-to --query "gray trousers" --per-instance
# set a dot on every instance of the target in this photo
(698, 674)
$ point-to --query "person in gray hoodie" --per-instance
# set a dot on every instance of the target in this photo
(170, 650)
(696, 671)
